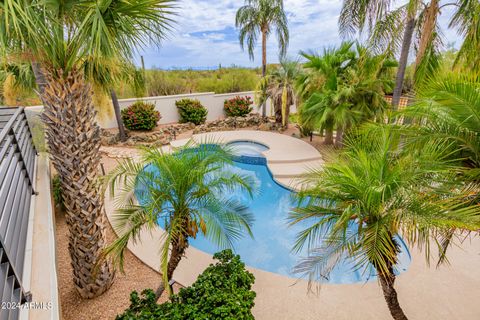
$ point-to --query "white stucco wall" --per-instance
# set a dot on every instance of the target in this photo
(166, 105)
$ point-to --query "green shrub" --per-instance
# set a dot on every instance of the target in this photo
(140, 116)
(191, 111)
(238, 106)
(227, 80)
(222, 291)
(57, 192)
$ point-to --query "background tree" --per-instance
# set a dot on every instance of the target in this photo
(343, 88)
(357, 205)
(80, 35)
(185, 193)
(261, 17)
(16, 81)
(356, 15)
(319, 83)
(111, 73)
(415, 23)
(279, 86)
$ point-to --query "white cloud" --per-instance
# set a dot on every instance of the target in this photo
(204, 33)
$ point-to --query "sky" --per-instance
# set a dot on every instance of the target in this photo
(205, 35)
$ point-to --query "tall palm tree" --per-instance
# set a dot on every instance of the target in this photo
(261, 17)
(345, 86)
(417, 20)
(356, 15)
(64, 40)
(185, 192)
(357, 205)
(279, 85)
(109, 74)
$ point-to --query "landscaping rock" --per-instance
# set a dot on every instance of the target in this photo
(166, 134)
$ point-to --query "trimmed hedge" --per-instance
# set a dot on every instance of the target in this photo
(223, 291)
(191, 110)
(238, 106)
(140, 116)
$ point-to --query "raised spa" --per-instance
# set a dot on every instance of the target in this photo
(247, 148)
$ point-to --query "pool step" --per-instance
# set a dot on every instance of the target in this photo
(291, 183)
(286, 160)
(293, 169)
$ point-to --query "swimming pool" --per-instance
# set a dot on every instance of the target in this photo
(270, 249)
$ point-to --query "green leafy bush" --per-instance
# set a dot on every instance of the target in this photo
(140, 116)
(191, 110)
(57, 192)
(222, 291)
(238, 106)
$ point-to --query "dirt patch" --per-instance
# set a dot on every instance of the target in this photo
(137, 276)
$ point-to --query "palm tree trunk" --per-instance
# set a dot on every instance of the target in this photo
(40, 78)
(431, 14)
(339, 137)
(277, 108)
(74, 140)
(402, 65)
(264, 66)
(178, 250)
(390, 295)
(287, 116)
(328, 136)
(118, 116)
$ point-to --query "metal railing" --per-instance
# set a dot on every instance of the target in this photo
(17, 165)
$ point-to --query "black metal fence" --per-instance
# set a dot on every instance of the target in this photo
(17, 165)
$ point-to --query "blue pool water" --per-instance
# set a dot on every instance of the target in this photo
(270, 250)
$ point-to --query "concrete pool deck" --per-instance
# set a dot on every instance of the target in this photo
(449, 292)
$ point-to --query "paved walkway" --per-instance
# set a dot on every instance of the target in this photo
(449, 292)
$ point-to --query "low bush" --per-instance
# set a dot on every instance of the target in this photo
(57, 192)
(238, 106)
(191, 110)
(140, 116)
(222, 291)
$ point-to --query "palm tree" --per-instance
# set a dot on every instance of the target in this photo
(447, 110)
(279, 86)
(392, 30)
(318, 85)
(344, 87)
(260, 17)
(356, 15)
(15, 77)
(357, 205)
(466, 20)
(185, 192)
(110, 73)
(65, 41)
